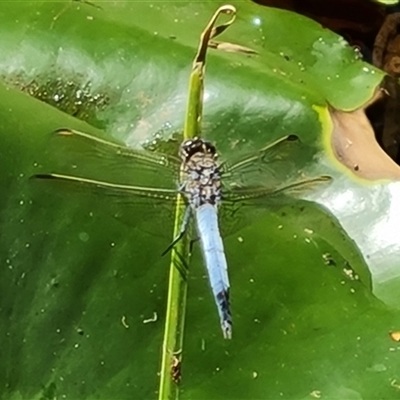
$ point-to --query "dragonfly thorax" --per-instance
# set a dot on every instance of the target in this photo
(201, 178)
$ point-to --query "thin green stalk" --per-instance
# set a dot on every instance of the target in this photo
(170, 374)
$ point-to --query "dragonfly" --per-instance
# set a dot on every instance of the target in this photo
(214, 191)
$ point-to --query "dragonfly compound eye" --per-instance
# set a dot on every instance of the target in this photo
(193, 146)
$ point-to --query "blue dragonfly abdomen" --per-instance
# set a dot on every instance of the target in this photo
(215, 261)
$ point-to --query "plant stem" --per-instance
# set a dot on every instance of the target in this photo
(177, 288)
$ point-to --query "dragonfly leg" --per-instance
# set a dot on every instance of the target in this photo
(185, 223)
(192, 242)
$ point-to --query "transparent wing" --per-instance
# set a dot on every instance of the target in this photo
(138, 186)
(120, 191)
(242, 206)
(152, 210)
(278, 162)
(82, 154)
(257, 196)
(255, 183)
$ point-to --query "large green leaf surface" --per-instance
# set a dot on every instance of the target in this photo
(83, 296)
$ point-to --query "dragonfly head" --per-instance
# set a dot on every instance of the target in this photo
(193, 146)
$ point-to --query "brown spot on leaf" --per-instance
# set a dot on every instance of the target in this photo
(354, 145)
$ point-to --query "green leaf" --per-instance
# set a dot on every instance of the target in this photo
(83, 296)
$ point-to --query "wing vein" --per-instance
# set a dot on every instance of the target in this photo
(135, 190)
